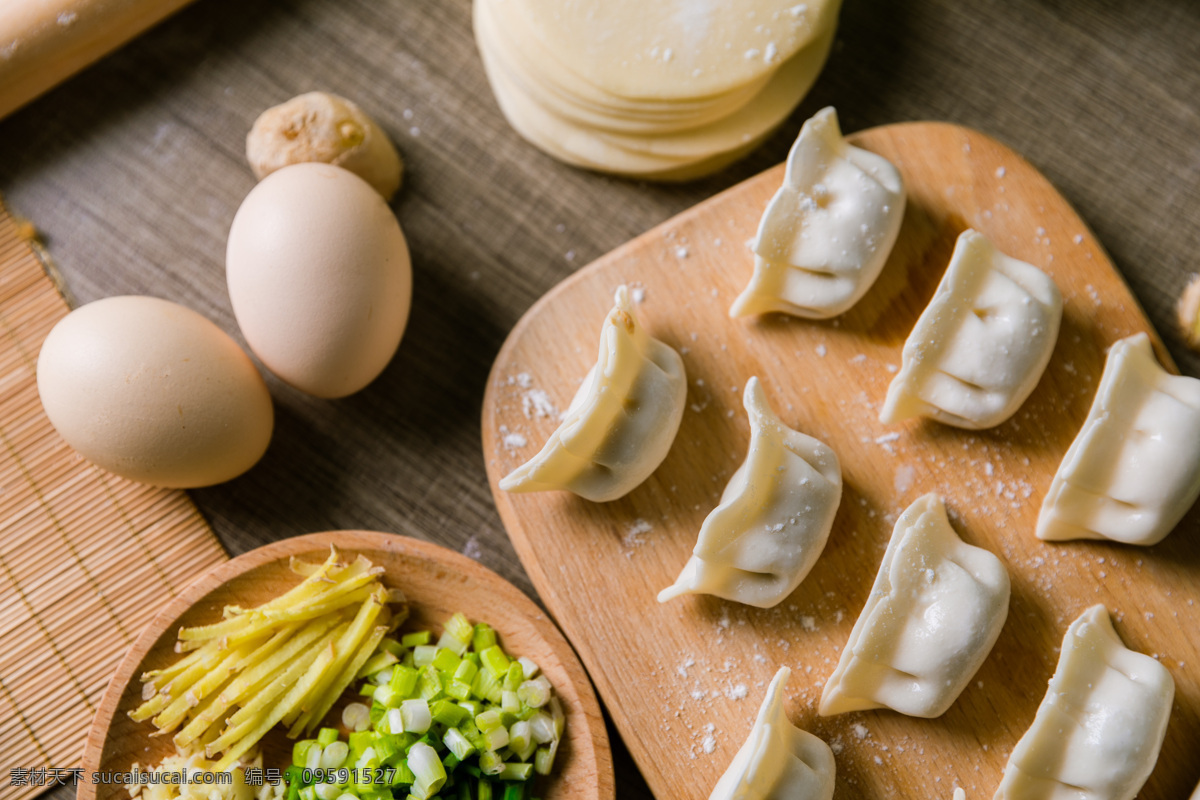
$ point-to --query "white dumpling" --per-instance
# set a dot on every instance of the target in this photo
(1098, 731)
(622, 421)
(827, 232)
(778, 761)
(1134, 468)
(935, 611)
(1196, 794)
(980, 346)
(774, 517)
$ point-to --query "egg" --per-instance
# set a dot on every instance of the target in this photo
(154, 392)
(320, 278)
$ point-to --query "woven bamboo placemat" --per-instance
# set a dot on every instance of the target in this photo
(86, 558)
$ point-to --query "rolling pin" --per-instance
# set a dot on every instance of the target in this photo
(43, 42)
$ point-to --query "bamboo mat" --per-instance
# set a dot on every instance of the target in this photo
(86, 558)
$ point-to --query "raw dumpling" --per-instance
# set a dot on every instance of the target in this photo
(622, 421)
(981, 345)
(774, 517)
(934, 613)
(778, 761)
(1134, 469)
(828, 230)
(1099, 729)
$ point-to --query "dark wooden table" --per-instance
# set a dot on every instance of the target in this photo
(134, 169)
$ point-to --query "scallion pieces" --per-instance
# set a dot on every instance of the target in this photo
(457, 719)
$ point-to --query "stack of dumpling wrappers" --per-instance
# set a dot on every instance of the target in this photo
(657, 89)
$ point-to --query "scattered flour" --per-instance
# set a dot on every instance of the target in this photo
(536, 403)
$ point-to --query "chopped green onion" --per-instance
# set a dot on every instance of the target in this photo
(514, 677)
(361, 741)
(460, 628)
(404, 776)
(490, 763)
(446, 661)
(458, 689)
(520, 739)
(458, 744)
(496, 738)
(427, 768)
(448, 713)
(488, 721)
(484, 684)
(483, 637)
(415, 715)
(515, 771)
(356, 717)
(423, 655)
(300, 751)
(560, 719)
(535, 693)
(404, 680)
(465, 671)
(429, 685)
(459, 720)
(416, 639)
(328, 791)
(334, 755)
(541, 725)
(496, 662)
(450, 642)
(543, 761)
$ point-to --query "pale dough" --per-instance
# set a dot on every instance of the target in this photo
(715, 45)
(1133, 470)
(1100, 727)
(774, 517)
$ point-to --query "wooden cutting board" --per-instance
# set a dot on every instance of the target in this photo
(85, 557)
(683, 681)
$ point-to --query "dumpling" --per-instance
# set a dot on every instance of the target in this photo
(1134, 469)
(935, 611)
(622, 421)
(1196, 794)
(778, 761)
(828, 230)
(774, 517)
(979, 348)
(1098, 731)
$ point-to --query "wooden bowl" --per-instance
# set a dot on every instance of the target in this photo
(437, 582)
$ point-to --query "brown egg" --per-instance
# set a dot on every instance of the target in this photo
(154, 392)
(320, 278)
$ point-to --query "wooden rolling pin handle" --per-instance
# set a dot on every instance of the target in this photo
(43, 42)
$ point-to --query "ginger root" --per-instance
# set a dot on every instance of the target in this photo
(318, 126)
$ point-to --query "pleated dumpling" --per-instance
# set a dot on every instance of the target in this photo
(622, 421)
(1134, 468)
(980, 346)
(778, 761)
(1099, 728)
(827, 232)
(774, 517)
(935, 611)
